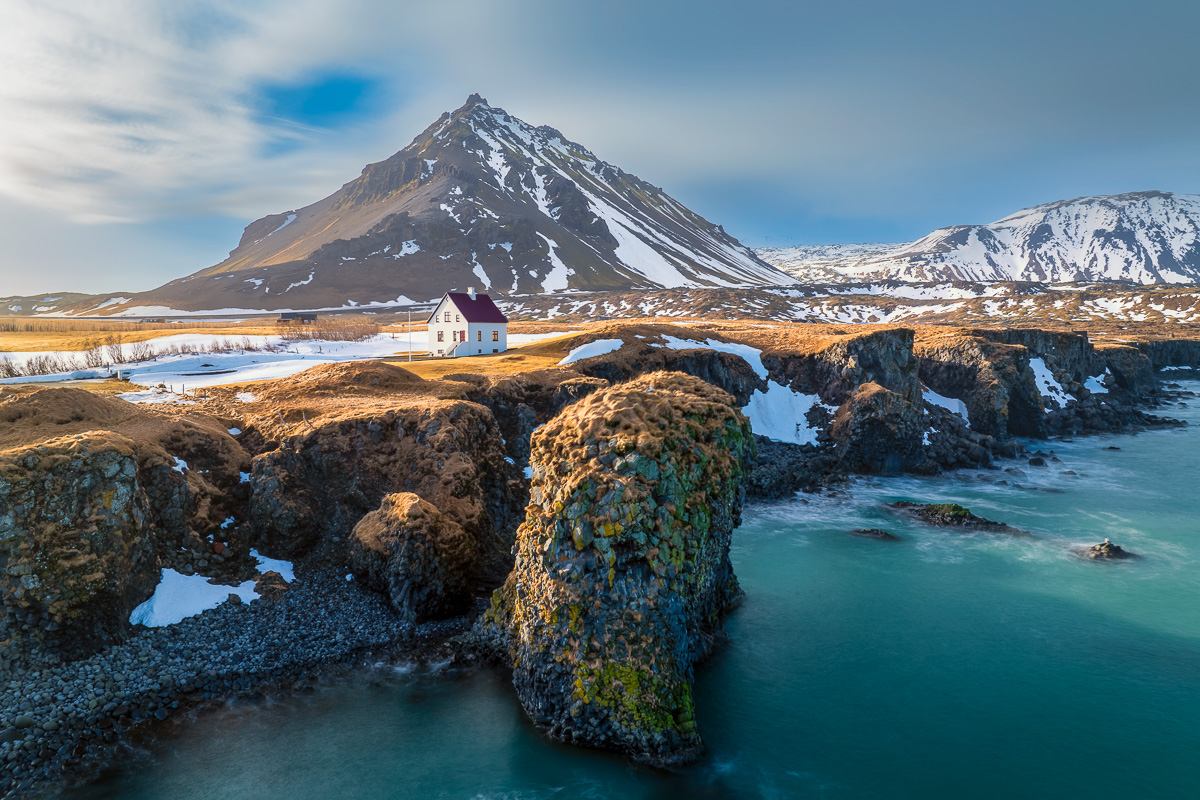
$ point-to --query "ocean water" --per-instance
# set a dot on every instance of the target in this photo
(942, 665)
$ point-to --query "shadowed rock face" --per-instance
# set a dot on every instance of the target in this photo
(407, 549)
(878, 431)
(623, 572)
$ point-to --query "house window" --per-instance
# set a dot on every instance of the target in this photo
(495, 336)
(457, 318)
(446, 317)
(494, 350)
(479, 336)
(441, 336)
(454, 336)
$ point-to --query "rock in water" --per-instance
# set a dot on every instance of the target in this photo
(408, 550)
(1106, 549)
(622, 574)
(951, 515)
(875, 533)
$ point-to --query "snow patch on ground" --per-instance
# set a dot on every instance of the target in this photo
(1047, 385)
(779, 413)
(155, 397)
(751, 355)
(599, 347)
(180, 596)
(1095, 385)
(284, 568)
(948, 403)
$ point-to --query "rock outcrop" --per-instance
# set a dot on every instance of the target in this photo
(879, 431)
(623, 572)
(77, 549)
(951, 515)
(308, 495)
(96, 494)
(1106, 550)
(992, 378)
(422, 561)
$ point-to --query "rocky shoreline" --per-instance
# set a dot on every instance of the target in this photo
(400, 499)
(68, 720)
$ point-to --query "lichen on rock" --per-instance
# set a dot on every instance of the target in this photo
(623, 574)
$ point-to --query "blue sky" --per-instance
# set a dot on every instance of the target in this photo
(140, 137)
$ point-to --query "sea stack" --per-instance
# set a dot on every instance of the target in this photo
(622, 573)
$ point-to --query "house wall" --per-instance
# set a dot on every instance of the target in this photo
(474, 332)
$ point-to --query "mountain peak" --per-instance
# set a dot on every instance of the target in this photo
(479, 198)
(475, 99)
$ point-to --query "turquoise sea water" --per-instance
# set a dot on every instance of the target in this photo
(943, 665)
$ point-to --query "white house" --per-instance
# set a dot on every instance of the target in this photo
(467, 324)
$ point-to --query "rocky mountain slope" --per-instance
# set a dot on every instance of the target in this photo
(479, 198)
(1139, 237)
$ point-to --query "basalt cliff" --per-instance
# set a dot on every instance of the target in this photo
(622, 572)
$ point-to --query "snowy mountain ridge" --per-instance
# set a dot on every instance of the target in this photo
(1138, 237)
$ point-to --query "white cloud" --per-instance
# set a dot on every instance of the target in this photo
(129, 109)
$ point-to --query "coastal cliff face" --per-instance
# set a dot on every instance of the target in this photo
(76, 542)
(622, 572)
(836, 366)
(993, 379)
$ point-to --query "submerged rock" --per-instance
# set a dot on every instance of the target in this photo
(1106, 549)
(623, 574)
(950, 515)
(408, 550)
(875, 533)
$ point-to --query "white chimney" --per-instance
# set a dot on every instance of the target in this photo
(471, 292)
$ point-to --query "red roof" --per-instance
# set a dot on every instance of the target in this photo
(481, 309)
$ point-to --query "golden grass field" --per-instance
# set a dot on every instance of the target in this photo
(525, 358)
(36, 336)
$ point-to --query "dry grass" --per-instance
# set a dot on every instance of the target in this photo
(526, 358)
(331, 329)
(32, 336)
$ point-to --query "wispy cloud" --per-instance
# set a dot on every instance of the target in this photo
(124, 109)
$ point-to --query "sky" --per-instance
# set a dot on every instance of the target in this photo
(140, 137)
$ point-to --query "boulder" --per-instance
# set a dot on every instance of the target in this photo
(307, 496)
(271, 585)
(410, 551)
(623, 574)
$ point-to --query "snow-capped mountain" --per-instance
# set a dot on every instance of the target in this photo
(1140, 237)
(481, 199)
(822, 263)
